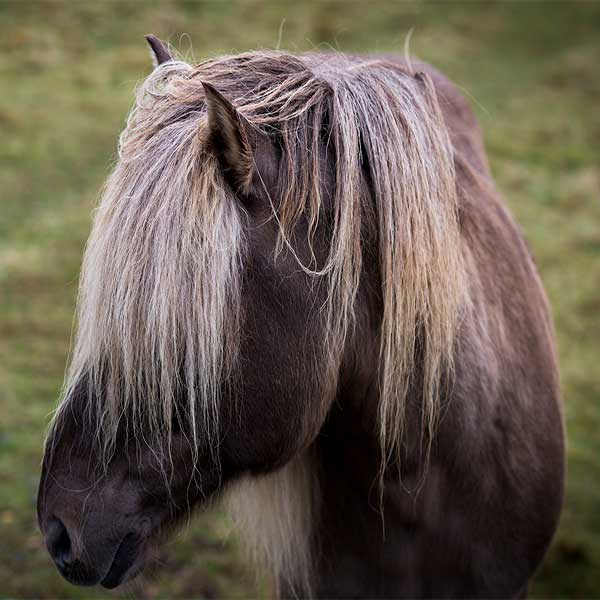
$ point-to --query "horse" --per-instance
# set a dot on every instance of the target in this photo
(303, 295)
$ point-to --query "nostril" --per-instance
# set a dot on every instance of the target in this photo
(58, 542)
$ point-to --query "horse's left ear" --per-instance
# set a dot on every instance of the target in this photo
(232, 138)
(160, 50)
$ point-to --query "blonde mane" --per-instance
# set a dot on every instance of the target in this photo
(159, 303)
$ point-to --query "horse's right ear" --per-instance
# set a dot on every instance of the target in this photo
(160, 50)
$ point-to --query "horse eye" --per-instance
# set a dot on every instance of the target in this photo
(176, 426)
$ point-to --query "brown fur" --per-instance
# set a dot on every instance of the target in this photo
(303, 286)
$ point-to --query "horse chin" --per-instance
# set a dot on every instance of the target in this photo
(127, 563)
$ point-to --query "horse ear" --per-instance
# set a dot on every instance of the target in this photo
(231, 137)
(160, 50)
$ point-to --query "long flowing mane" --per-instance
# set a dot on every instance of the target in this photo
(159, 302)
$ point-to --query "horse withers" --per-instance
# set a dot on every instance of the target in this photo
(303, 293)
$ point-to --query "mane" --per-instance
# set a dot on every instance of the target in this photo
(173, 233)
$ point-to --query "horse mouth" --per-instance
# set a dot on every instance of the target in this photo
(127, 562)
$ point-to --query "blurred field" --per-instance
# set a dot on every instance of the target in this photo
(67, 72)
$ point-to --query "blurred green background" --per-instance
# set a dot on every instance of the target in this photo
(67, 73)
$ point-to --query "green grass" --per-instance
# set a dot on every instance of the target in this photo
(67, 72)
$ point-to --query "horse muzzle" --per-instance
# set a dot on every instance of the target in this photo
(92, 561)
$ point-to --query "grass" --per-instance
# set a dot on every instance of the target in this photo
(67, 72)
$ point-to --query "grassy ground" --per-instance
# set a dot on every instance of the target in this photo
(67, 72)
